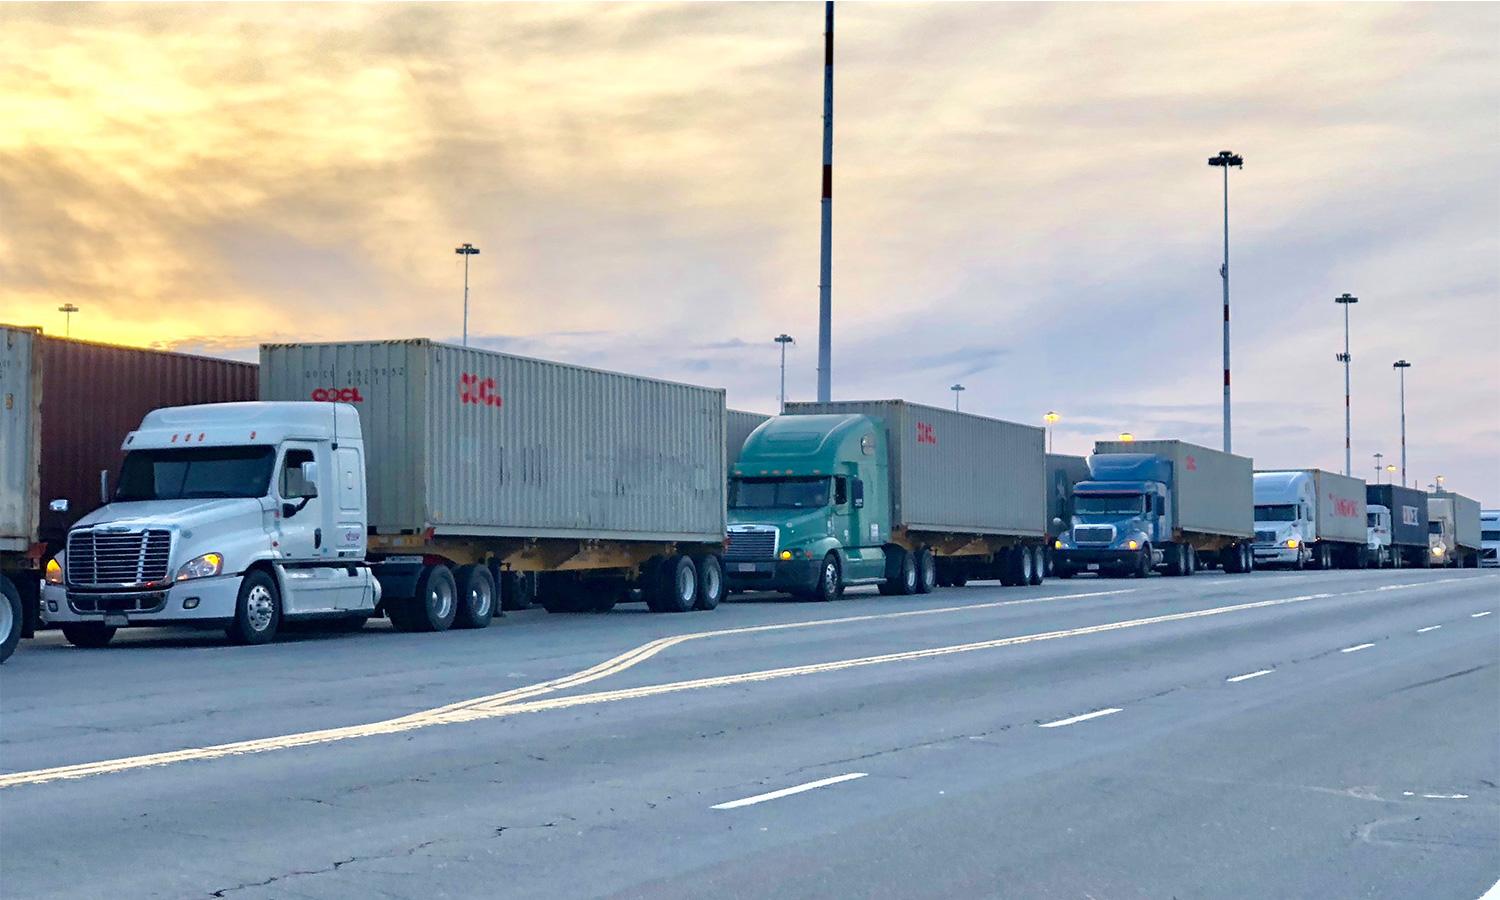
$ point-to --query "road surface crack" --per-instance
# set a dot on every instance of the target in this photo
(337, 864)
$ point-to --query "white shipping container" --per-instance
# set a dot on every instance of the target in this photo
(1465, 514)
(20, 437)
(1213, 492)
(955, 472)
(470, 442)
(1340, 507)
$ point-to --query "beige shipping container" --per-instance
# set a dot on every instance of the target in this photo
(739, 424)
(474, 443)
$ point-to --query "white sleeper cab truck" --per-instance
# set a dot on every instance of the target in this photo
(1378, 535)
(1308, 517)
(230, 515)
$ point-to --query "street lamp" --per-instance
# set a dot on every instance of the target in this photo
(466, 251)
(1401, 366)
(1439, 485)
(1225, 160)
(1126, 436)
(1051, 419)
(783, 340)
(67, 309)
(956, 389)
(1378, 467)
(1346, 300)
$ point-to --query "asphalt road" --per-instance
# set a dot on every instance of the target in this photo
(1290, 735)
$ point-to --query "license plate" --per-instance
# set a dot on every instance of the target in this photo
(745, 567)
(116, 621)
(1093, 567)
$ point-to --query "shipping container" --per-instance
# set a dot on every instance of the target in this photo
(956, 472)
(1408, 508)
(1213, 493)
(463, 442)
(738, 425)
(1465, 512)
(1338, 505)
(20, 438)
(1063, 472)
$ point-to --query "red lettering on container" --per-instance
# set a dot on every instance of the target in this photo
(926, 434)
(1192, 464)
(479, 391)
(338, 395)
(1345, 508)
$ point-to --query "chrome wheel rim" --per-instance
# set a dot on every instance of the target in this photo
(479, 600)
(7, 618)
(711, 582)
(684, 583)
(830, 578)
(440, 601)
(260, 608)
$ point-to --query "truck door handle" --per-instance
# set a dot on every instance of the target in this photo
(317, 538)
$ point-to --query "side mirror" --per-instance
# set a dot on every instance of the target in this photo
(309, 479)
(59, 506)
(103, 485)
(1057, 523)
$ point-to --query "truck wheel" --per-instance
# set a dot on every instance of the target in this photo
(476, 597)
(87, 634)
(676, 586)
(257, 612)
(926, 565)
(1024, 566)
(10, 618)
(1143, 563)
(830, 580)
(517, 590)
(1192, 560)
(710, 581)
(1038, 565)
(1177, 560)
(436, 603)
(907, 585)
(904, 579)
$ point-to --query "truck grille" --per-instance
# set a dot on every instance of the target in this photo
(750, 545)
(1265, 537)
(118, 558)
(1094, 534)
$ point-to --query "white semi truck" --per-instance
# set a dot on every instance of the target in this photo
(1309, 517)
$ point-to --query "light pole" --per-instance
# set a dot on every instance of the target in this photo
(1346, 300)
(825, 240)
(1224, 160)
(956, 389)
(1051, 419)
(1401, 366)
(67, 309)
(466, 251)
(783, 340)
(1378, 467)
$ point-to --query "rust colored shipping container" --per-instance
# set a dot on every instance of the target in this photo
(95, 394)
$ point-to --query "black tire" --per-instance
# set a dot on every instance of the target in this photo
(1024, 564)
(830, 580)
(1143, 563)
(926, 565)
(517, 590)
(559, 593)
(87, 634)
(675, 587)
(1038, 565)
(1192, 560)
(710, 581)
(904, 582)
(436, 603)
(12, 618)
(257, 611)
(475, 597)
(1176, 561)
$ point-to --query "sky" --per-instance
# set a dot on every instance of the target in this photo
(1022, 202)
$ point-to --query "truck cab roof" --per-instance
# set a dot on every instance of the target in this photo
(805, 445)
(1137, 467)
(236, 424)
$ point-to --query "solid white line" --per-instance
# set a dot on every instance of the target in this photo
(1479, 615)
(1249, 675)
(1356, 647)
(1428, 628)
(1083, 718)
(787, 792)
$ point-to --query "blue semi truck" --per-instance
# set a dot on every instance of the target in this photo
(1159, 505)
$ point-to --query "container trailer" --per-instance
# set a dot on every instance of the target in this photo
(1453, 530)
(1166, 505)
(64, 407)
(1311, 517)
(1063, 471)
(1408, 522)
(737, 426)
(436, 474)
(885, 492)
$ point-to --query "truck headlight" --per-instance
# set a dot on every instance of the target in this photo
(1057, 545)
(53, 573)
(1133, 544)
(205, 566)
(1437, 551)
(1291, 543)
(786, 554)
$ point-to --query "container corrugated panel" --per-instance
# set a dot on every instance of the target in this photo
(1408, 508)
(1340, 507)
(956, 472)
(474, 442)
(738, 425)
(1213, 491)
(95, 394)
(1063, 471)
(20, 437)
(1465, 518)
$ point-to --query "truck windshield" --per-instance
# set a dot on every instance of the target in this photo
(1435, 526)
(196, 473)
(1489, 535)
(1281, 512)
(1109, 504)
(1372, 519)
(778, 493)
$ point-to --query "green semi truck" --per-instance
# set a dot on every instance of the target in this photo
(890, 493)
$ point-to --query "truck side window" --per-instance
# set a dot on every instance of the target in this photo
(840, 491)
(1161, 505)
(292, 485)
(859, 493)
